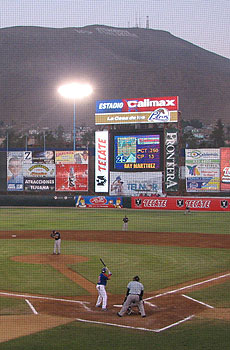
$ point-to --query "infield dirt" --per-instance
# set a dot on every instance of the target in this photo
(161, 311)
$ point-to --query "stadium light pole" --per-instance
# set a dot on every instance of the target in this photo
(75, 91)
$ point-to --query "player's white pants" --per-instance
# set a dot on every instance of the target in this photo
(132, 299)
(57, 246)
(125, 226)
(102, 296)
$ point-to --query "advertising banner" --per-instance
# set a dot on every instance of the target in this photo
(39, 170)
(16, 161)
(131, 184)
(181, 203)
(202, 168)
(15, 171)
(138, 110)
(36, 171)
(71, 177)
(171, 160)
(71, 157)
(39, 183)
(99, 202)
(46, 157)
(225, 169)
(101, 161)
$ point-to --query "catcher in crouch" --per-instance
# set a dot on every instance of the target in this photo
(134, 295)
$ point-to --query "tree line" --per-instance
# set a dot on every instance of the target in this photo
(12, 137)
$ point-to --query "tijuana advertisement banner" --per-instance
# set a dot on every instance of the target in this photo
(39, 184)
(181, 203)
(101, 161)
(202, 167)
(225, 169)
(138, 110)
(98, 202)
(36, 171)
(131, 184)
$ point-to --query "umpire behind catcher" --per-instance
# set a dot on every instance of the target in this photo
(135, 291)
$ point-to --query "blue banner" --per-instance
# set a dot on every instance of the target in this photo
(98, 202)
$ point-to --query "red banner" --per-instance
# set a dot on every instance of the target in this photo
(181, 203)
(225, 169)
(71, 177)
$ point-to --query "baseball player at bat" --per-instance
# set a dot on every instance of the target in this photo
(101, 288)
(134, 294)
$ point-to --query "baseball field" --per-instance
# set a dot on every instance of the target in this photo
(48, 301)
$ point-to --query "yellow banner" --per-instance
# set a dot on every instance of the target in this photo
(133, 118)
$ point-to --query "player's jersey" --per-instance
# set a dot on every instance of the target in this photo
(57, 236)
(135, 287)
(102, 279)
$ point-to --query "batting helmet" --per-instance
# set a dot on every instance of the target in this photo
(103, 270)
(136, 278)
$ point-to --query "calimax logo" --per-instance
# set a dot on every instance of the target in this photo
(150, 103)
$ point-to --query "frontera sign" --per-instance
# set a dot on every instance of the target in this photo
(171, 160)
(139, 110)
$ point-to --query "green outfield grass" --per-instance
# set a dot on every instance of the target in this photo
(111, 219)
(217, 296)
(10, 306)
(157, 266)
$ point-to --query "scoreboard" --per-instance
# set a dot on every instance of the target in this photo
(137, 152)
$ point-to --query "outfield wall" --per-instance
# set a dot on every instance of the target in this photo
(36, 201)
(181, 203)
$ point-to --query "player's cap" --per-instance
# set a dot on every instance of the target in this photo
(103, 270)
(136, 278)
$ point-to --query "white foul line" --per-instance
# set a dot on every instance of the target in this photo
(174, 324)
(197, 301)
(192, 285)
(137, 328)
(115, 325)
(150, 304)
(47, 298)
(32, 307)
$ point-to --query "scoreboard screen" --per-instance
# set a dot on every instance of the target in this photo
(137, 152)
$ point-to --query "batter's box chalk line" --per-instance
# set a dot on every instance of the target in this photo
(138, 328)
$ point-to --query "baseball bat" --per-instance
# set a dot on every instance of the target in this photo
(102, 262)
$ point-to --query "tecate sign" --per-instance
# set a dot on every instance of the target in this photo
(139, 110)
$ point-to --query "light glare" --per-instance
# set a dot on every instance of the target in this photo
(75, 90)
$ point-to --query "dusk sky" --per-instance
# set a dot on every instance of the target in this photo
(202, 22)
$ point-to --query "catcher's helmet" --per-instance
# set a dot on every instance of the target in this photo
(103, 270)
(136, 278)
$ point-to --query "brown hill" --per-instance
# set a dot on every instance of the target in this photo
(119, 63)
